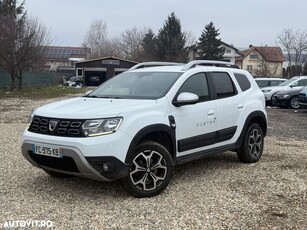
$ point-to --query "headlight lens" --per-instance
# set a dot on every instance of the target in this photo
(266, 90)
(99, 127)
(31, 118)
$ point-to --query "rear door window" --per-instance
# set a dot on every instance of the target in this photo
(223, 84)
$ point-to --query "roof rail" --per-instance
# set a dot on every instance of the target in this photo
(153, 64)
(224, 64)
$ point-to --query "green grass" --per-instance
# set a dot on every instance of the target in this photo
(42, 92)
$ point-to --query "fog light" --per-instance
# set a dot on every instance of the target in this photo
(105, 167)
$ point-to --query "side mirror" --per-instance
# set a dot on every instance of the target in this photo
(186, 99)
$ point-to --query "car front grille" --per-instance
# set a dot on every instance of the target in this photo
(57, 127)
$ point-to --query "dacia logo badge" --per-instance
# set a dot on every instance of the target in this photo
(52, 125)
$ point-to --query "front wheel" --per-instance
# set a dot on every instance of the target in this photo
(252, 146)
(293, 103)
(151, 169)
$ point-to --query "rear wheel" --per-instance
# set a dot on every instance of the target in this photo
(252, 146)
(293, 103)
(150, 170)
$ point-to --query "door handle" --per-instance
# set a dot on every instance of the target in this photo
(240, 106)
(211, 112)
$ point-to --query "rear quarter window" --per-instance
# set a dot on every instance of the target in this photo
(243, 81)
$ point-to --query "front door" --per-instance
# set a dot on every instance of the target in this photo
(195, 124)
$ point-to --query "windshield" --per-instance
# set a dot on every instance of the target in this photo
(140, 85)
(288, 82)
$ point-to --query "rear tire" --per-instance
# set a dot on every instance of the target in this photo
(252, 146)
(151, 169)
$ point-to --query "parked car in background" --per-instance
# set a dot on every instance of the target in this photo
(272, 81)
(302, 98)
(73, 81)
(294, 83)
(287, 99)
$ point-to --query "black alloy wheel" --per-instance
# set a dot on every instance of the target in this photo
(252, 146)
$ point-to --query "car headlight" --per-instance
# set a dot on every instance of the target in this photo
(266, 90)
(99, 127)
(31, 118)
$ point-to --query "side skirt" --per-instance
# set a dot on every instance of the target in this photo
(201, 154)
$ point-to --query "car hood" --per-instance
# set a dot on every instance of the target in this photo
(273, 88)
(91, 108)
(289, 91)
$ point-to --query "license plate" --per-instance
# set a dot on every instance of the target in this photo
(46, 150)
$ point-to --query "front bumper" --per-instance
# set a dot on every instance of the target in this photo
(92, 158)
(276, 101)
(302, 101)
(303, 105)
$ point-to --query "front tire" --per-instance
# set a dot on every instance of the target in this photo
(252, 146)
(293, 103)
(151, 169)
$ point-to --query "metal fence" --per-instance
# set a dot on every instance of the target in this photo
(34, 78)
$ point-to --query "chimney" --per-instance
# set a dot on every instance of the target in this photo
(250, 46)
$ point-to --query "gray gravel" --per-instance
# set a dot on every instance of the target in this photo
(217, 192)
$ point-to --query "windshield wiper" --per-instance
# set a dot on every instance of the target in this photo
(90, 96)
(111, 97)
(108, 97)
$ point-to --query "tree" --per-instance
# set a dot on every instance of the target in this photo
(21, 41)
(130, 43)
(294, 45)
(149, 47)
(305, 69)
(209, 45)
(96, 39)
(171, 41)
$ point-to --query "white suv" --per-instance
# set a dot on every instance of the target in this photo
(138, 125)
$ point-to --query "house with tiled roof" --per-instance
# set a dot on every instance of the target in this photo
(230, 52)
(63, 58)
(262, 61)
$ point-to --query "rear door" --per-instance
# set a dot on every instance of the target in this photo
(229, 106)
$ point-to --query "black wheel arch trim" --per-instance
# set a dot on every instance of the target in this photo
(150, 130)
(253, 116)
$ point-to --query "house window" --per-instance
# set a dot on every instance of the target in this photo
(253, 56)
(249, 68)
(227, 51)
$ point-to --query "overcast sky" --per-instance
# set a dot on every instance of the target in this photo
(240, 22)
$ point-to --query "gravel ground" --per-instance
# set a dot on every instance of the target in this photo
(217, 192)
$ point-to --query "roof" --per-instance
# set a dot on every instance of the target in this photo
(230, 46)
(106, 58)
(64, 52)
(269, 53)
